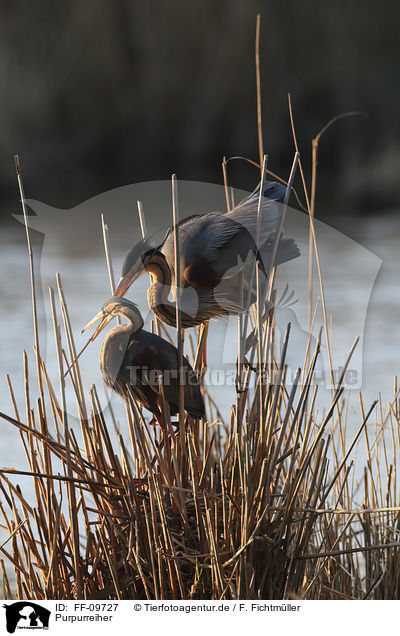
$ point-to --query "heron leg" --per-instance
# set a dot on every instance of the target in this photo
(201, 355)
(166, 431)
(165, 426)
(159, 445)
(204, 346)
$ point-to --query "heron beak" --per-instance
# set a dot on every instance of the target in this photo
(126, 281)
(124, 284)
(105, 319)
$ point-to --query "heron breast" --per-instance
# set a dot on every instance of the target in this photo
(201, 273)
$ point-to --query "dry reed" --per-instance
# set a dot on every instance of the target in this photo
(260, 506)
(266, 504)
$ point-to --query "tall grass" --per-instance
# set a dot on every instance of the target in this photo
(264, 505)
(249, 514)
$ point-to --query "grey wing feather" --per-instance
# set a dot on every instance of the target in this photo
(246, 217)
(221, 228)
(203, 235)
(272, 190)
(286, 251)
(207, 235)
(167, 360)
(246, 211)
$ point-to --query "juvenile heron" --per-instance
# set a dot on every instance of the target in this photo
(217, 253)
(132, 360)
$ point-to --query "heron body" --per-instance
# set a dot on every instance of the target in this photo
(132, 362)
(217, 256)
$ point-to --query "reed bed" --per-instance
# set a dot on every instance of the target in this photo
(263, 505)
(228, 511)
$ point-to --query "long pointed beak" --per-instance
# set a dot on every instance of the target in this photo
(91, 322)
(123, 285)
(126, 281)
(105, 319)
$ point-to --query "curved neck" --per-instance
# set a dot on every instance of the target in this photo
(160, 288)
(113, 351)
(158, 267)
(159, 291)
(130, 312)
(121, 332)
(116, 341)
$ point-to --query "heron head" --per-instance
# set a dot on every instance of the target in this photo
(112, 308)
(136, 260)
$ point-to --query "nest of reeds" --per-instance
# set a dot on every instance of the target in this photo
(238, 510)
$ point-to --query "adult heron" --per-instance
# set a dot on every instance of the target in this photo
(133, 360)
(217, 253)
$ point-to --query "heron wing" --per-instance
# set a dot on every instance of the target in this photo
(193, 400)
(286, 251)
(157, 357)
(232, 292)
(200, 236)
(217, 238)
(139, 360)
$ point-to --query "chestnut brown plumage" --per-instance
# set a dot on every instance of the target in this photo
(133, 360)
(217, 253)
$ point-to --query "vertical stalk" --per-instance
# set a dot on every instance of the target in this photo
(282, 215)
(260, 366)
(110, 270)
(310, 241)
(175, 221)
(142, 220)
(258, 290)
(258, 84)
(70, 483)
(225, 175)
(33, 284)
(253, 267)
(143, 229)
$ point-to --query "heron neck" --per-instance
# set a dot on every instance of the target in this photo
(159, 291)
(159, 270)
(157, 296)
(113, 351)
(121, 332)
(160, 288)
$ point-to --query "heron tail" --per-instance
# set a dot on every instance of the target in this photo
(286, 251)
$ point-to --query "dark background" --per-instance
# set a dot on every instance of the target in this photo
(100, 93)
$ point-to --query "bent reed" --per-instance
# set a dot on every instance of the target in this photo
(262, 506)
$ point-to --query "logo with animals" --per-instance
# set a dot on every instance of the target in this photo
(26, 615)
